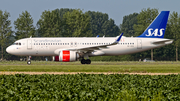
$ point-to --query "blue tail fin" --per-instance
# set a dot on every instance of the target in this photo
(157, 28)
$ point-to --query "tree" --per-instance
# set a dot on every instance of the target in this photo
(102, 25)
(50, 24)
(166, 52)
(24, 26)
(77, 24)
(110, 29)
(5, 30)
(128, 23)
(145, 17)
(174, 22)
(62, 11)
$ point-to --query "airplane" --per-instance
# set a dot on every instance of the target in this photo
(69, 49)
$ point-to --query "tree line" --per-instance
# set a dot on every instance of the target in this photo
(66, 22)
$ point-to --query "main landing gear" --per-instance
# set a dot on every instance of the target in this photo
(87, 61)
(29, 60)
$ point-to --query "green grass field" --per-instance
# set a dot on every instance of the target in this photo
(82, 87)
(138, 67)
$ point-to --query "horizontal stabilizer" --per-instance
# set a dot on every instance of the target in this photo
(168, 41)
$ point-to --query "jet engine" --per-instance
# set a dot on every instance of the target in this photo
(66, 56)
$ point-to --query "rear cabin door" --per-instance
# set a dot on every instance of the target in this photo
(139, 44)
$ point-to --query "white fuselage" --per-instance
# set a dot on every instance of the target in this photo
(47, 46)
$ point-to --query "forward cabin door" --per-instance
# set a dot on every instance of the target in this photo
(139, 44)
(29, 44)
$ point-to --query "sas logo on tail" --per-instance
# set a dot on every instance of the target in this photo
(155, 32)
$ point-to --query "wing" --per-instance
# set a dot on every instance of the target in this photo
(92, 48)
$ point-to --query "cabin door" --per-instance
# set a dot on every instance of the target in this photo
(29, 44)
(139, 44)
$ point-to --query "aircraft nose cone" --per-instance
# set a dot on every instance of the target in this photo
(9, 50)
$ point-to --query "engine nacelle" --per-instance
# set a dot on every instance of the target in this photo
(66, 56)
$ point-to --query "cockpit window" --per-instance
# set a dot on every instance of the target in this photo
(16, 43)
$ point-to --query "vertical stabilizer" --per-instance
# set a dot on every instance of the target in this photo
(157, 28)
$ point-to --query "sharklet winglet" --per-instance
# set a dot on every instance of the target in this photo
(118, 39)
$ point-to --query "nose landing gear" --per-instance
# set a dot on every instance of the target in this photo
(29, 60)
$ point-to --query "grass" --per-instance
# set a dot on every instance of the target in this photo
(125, 66)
